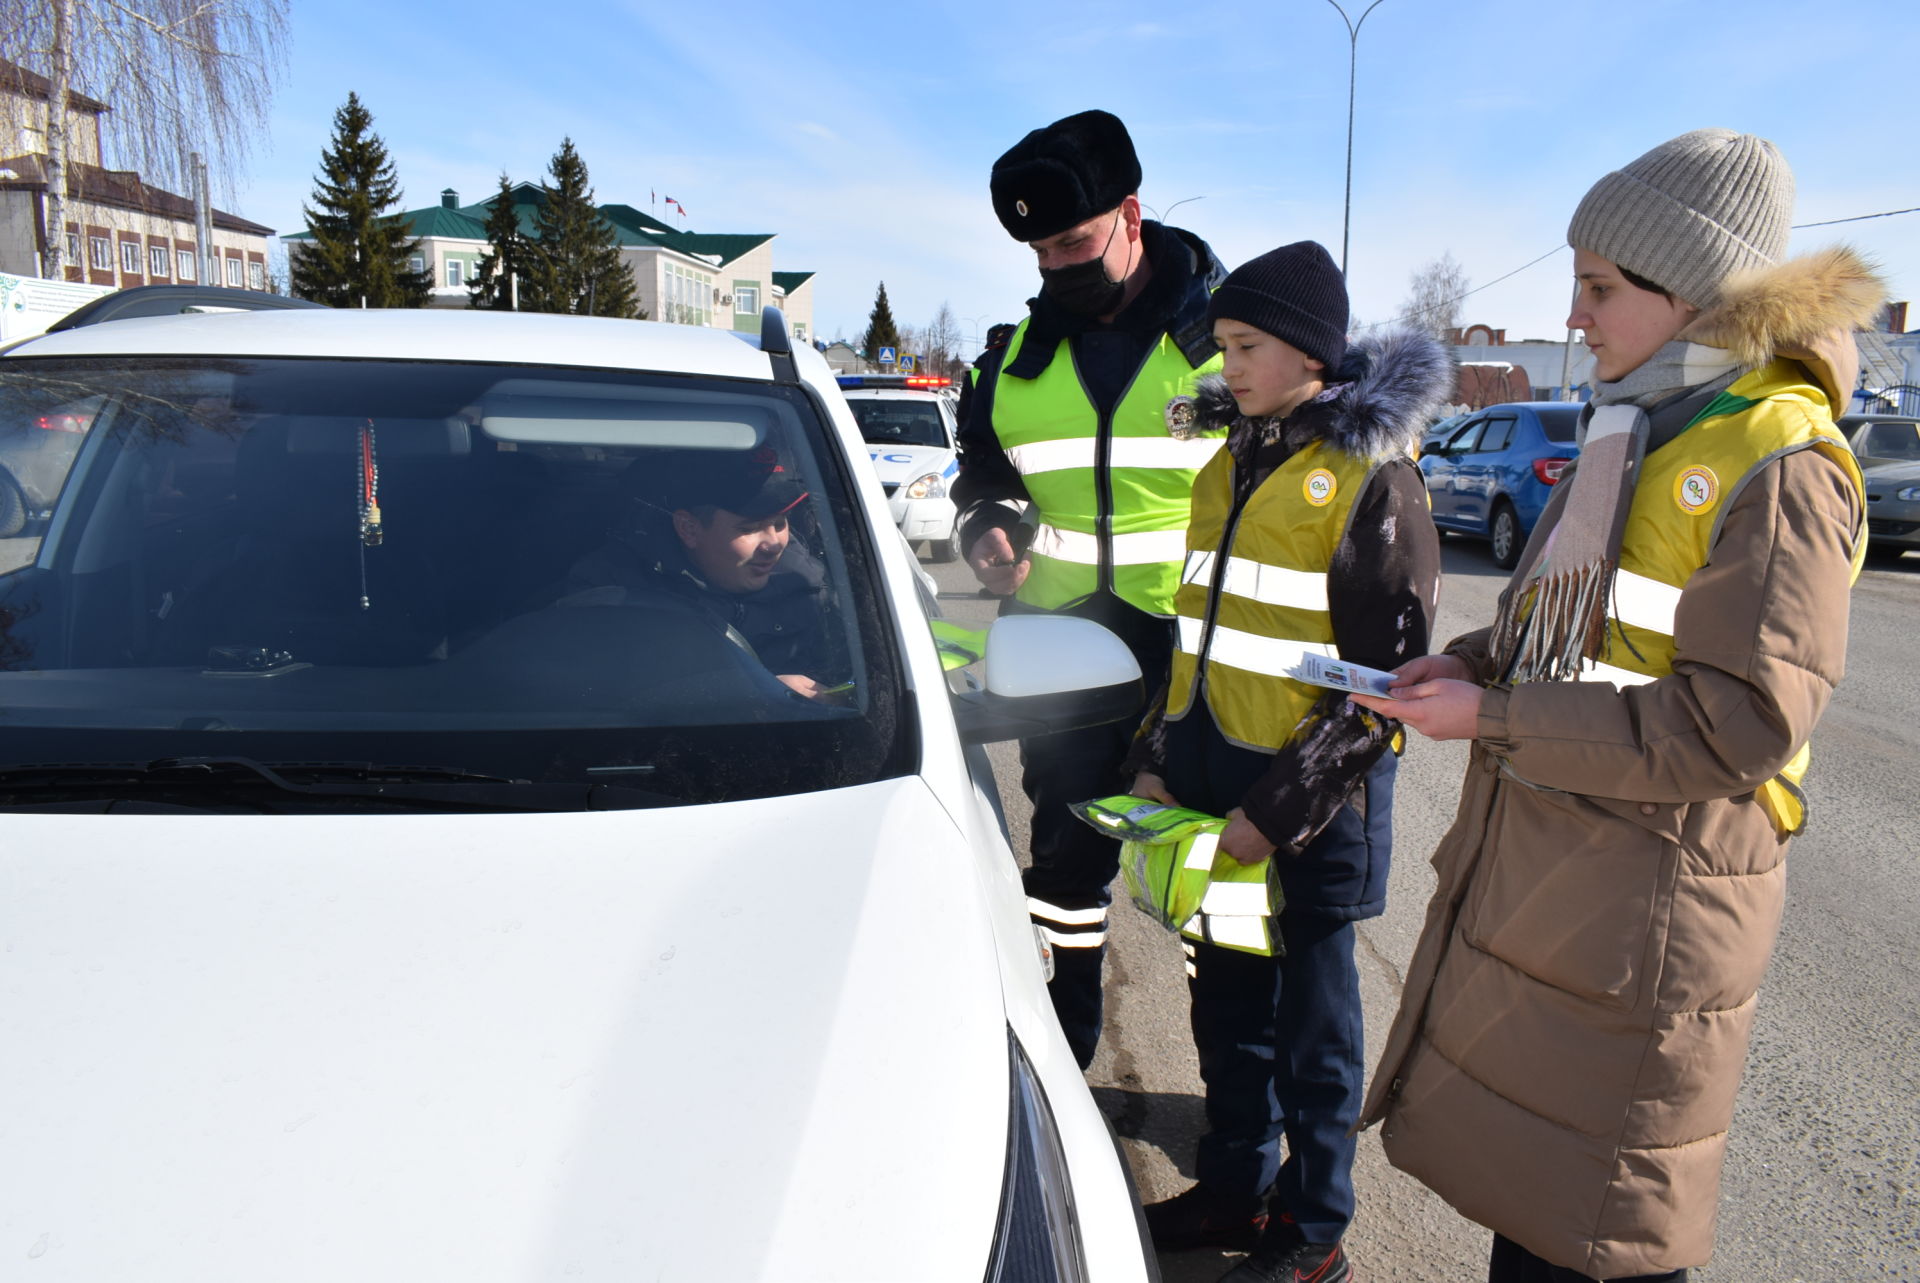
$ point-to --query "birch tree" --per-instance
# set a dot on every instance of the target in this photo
(181, 76)
(1433, 297)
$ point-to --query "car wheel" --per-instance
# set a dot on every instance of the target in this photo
(1504, 534)
(13, 508)
(942, 551)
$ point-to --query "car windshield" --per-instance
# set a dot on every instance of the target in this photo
(899, 420)
(548, 575)
(1561, 423)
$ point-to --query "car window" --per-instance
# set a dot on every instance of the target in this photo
(899, 420)
(1561, 423)
(1893, 441)
(1496, 435)
(519, 571)
(1465, 439)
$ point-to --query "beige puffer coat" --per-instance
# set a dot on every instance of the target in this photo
(1574, 1022)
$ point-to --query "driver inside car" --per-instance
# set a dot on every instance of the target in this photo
(729, 549)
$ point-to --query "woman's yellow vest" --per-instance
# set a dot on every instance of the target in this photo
(1114, 501)
(1683, 495)
(1253, 594)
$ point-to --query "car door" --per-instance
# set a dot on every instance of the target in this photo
(1442, 468)
(1477, 478)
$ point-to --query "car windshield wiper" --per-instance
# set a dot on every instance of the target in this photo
(428, 786)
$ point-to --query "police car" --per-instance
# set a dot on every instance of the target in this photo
(412, 874)
(907, 421)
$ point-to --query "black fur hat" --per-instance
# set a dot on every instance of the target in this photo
(1063, 174)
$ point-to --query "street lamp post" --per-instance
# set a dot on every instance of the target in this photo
(1353, 58)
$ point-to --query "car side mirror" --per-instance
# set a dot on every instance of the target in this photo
(1049, 673)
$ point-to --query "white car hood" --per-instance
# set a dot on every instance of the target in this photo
(754, 1041)
(899, 464)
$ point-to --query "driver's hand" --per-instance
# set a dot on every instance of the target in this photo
(991, 557)
(807, 686)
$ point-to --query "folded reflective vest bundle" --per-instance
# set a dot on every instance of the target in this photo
(1174, 870)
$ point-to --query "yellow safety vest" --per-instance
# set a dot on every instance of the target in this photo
(1253, 596)
(1682, 496)
(1114, 500)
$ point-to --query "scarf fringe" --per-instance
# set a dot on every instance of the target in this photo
(1567, 624)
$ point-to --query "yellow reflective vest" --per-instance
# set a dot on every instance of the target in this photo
(1110, 495)
(1682, 496)
(1253, 593)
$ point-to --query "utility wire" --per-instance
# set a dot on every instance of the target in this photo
(1445, 303)
(1858, 218)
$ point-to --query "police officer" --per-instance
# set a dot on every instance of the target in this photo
(1072, 424)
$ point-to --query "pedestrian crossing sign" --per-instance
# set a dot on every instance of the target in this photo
(906, 363)
(886, 356)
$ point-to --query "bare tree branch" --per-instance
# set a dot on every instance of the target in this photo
(1433, 297)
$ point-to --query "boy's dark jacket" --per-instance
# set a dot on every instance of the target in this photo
(1382, 582)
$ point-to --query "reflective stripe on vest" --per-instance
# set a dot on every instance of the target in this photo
(1683, 493)
(1253, 601)
(1127, 519)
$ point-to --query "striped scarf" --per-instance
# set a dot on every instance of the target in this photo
(1553, 614)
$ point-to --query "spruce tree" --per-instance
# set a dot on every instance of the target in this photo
(358, 254)
(492, 285)
(574, 260)
(881, 331)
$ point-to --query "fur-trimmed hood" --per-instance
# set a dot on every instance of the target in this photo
(1388, 389)
(1806, 308)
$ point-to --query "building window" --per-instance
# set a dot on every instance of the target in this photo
(100, 253)
(185, 260)
(73, 248)
(746, 298)
(453, 272)
(233, 272)
(256, 276)
(156, 260)
(416, 265)
(130, 257)
(800, 330)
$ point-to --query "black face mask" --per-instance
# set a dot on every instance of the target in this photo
(1085, 289)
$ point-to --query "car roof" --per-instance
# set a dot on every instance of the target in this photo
(517, 338)
(1868, 416)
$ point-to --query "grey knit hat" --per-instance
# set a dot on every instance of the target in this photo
(1691, 212)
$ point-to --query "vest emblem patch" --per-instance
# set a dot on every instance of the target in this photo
(1319, 487)
(1696, 489)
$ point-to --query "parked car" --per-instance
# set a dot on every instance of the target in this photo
(1881, 438)
(1439, 430)
(1491, 476)
(908, 424)
(412, 875)
(1893, 508)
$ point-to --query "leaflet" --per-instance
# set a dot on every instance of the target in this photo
(1319, 670)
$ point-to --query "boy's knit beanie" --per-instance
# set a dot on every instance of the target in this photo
(1691, 212)
(1294, 293)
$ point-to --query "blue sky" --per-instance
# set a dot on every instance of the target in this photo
(863, 135)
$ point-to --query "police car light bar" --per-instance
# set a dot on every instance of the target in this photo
(894, 381)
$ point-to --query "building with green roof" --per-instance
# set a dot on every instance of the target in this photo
(718, 279)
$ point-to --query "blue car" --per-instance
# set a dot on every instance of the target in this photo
(1493, 473)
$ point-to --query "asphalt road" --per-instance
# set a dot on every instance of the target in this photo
(1823, 1170)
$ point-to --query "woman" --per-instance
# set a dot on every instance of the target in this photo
(1570, 1038)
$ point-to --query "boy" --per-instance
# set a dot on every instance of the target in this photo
(1310, 532)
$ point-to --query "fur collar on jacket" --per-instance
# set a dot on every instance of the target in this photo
(1806, 308)
(1390, 387)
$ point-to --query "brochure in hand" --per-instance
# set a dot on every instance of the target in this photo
(1319, 670)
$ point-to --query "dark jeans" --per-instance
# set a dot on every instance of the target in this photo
(1072, 866)
(1281, 1053)
(1512, 1263)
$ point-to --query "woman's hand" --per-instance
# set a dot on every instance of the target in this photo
(1150, 786)
(1243, 841)
(1434, 694)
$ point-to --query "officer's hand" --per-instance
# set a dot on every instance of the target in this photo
(1242, 840)
(994, 566)
(1150, 786)
(802, 685)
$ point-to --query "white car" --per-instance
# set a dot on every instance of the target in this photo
(411, 875)
(911, 437)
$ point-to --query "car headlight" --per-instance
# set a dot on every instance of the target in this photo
(1908, 494)
(928, 487)
(1038, 1239)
